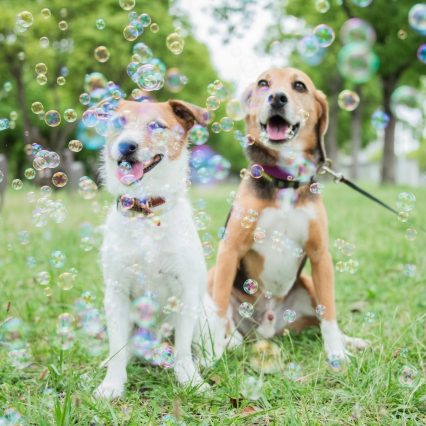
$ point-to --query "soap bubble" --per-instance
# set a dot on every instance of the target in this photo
(379, 119)
(421, 53)
(66, 281)
(410, 270)
(316, 188)
(322, 6)
(256, 171)
(70, 115)
(320, 311)
(235, 110)
(293, 371)
(362, 3)
(198, 135)
(87, 188)
(348, 100)
(130, 33)
(100, 24)
(30, 173)
(246, 310)
(408, 376)
(45, 13)
(37, 107)
(356, 30)
(175, 80)
(63, 25)
(41, 79)
(60, 81)
(251, 388)
(406, 202)
(44, 42)
(226, 124)
(84, 98)
(148, 77)
(212, 103)
(324, 34)
(40, 68)
(52, 118)
(57, 259)
(24, 19)
(43, 278)
(75, 145)
(59, 179)
(308, 46)
(144, 310)
(143, 52)
(417, 18)
(127, 4)
(154, 27)
(101, 54)
(410, 234)
(175, 43)
(17, 184)
(357, 62)
(250, 286)
(289, 315)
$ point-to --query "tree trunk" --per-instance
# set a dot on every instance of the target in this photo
(331, 137)
(356, 136)
(388, 160)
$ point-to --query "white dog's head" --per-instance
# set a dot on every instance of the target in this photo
(146, 155)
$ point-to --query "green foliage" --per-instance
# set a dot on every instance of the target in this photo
(82, 37)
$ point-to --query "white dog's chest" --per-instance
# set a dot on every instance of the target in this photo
(286, 232)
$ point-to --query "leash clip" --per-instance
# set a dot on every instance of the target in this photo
(326, 168)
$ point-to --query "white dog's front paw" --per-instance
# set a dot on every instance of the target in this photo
(234, 340)
(334, 344)
(187, 374)
(109, 390)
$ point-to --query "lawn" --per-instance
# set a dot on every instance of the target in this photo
(383, 301)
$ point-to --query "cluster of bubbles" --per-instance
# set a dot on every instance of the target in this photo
(251, 388)
(175, 42)
(357, 61)
(207, 166)
(417, 21)
(347, 249)
(295, 166)
(46, 208)
(175, 80)
(12, 417)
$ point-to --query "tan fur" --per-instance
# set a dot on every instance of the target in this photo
(239, 240)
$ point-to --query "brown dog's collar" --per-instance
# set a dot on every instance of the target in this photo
(281, 179)
(126, 203)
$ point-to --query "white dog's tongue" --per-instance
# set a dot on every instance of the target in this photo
(127, 177)
(277, 131)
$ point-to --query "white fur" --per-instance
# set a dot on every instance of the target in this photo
(169, 257)
(281, 259)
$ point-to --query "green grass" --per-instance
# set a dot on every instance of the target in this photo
(369, 387)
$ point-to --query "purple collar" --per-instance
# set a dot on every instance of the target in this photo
(277, 173)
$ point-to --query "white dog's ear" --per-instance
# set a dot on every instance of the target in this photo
(246, 98)
(189, 114)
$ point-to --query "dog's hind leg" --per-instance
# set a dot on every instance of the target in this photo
(117, 311)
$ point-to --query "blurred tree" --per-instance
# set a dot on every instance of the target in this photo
(396, 46)
(70, 53)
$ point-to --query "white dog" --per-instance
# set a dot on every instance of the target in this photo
(151, 245)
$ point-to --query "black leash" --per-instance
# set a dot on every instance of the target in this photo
(338, 177)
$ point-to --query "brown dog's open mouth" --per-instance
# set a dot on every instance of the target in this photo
(135, 170)
(279, 130)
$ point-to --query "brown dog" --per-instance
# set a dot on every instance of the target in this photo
(277, 222)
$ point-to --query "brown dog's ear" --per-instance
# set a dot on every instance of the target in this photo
(322, 123)
(246, 98)
(189, 114)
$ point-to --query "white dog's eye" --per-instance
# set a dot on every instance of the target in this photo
(154, 125)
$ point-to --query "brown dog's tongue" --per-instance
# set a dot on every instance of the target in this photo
(277, 131)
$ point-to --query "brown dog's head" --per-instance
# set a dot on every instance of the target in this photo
(146, 153)
(285, 110)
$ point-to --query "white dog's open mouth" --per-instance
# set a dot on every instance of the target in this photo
(130, 172)
(279, 130)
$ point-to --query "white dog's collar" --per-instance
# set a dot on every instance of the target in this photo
(143, 206)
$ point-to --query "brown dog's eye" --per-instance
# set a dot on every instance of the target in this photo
(262, 83)
(299, 87)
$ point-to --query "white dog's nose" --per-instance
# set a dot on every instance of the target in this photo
(127, 147)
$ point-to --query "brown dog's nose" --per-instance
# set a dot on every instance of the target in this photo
(277, 100)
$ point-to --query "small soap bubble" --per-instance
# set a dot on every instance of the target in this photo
(87, 188)
(75, 145)
(406, 202)
(212, 103)
(84, 98)
(37, 107)
(148, 77)
(45, 13)
(316, 188)
(320, 311)
(17, 184)
(411, 234)
(154, 27)
(421, 53)
(90, 118)
(259, 235)
(369, 317)
(250, 286)
(235, 110)
(246, 310)
(380, 120)
(352, 266)
(100, 24)
(66, 281)
(43, 278)
(70, 115)
(348, 100)
(57, 259)
(322, 6)
(130, 33)
(60, 81)
(59, 179)
(256, 171)
(417, 18)
(63, 25)
(44, 42)
(340, 266)
(289, 315)
(216, 127)
(175, 43)
(324, 34)
(226, 124)
(41, 79)
(101, 54)
(52, 118)
(127, 4)
(293, 371)
(24, 19)
(362, 3)
(410, 270)
(408, 376)
(198, 135)
(30, 173)
(251, 388)
(40, 68)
